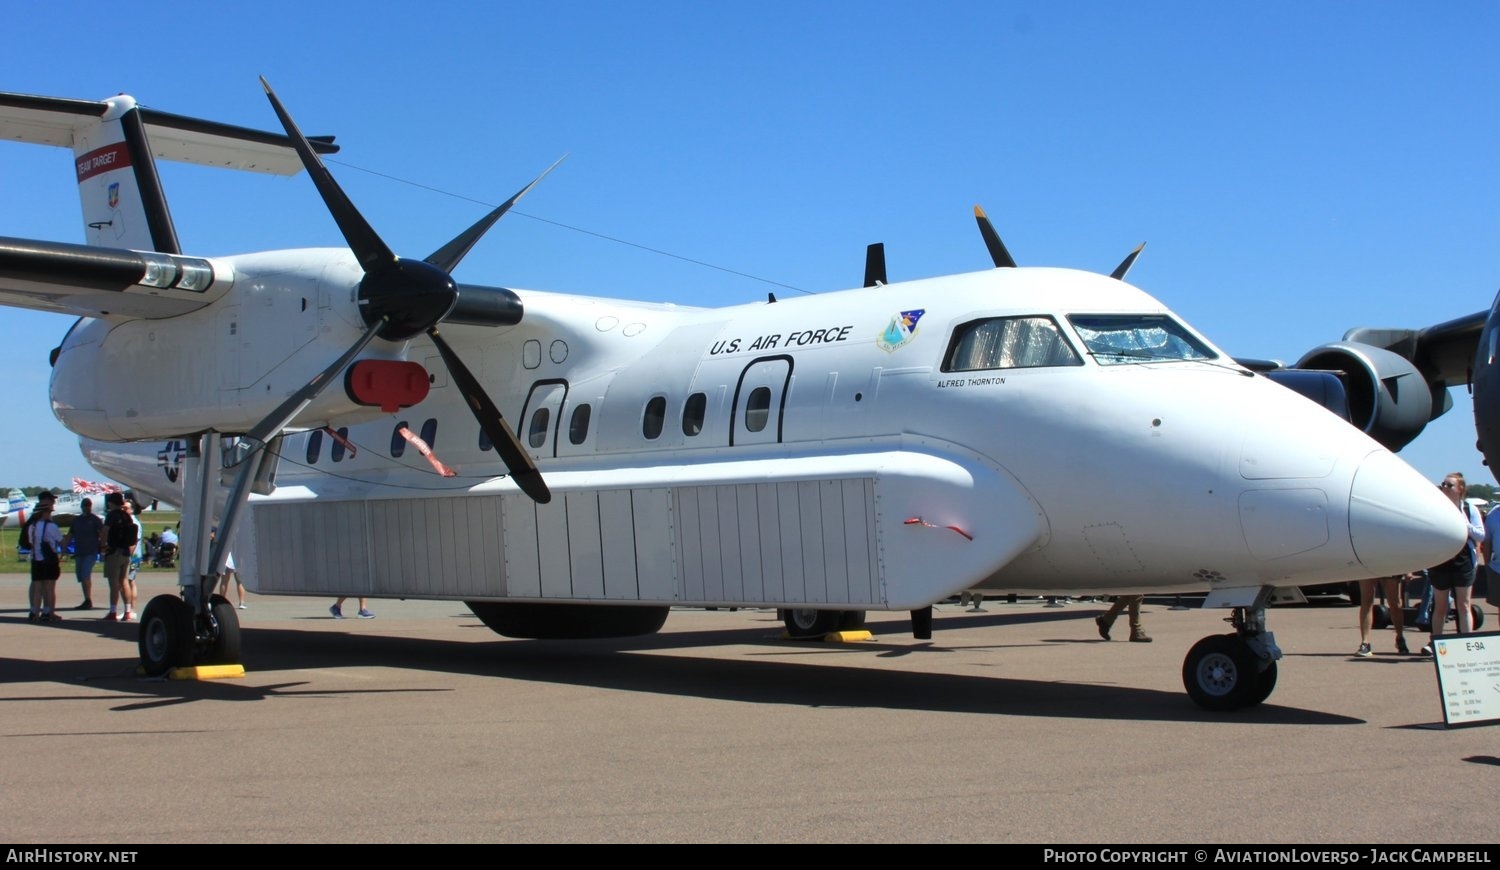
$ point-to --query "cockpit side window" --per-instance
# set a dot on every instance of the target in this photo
(1009, 343)
(1114, 339)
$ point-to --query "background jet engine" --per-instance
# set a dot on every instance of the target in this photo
(1387, 396)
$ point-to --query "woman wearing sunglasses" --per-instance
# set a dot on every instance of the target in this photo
(1457, 574)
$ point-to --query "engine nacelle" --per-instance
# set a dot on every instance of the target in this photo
(282, 318)
(224, 366)
(1322, 388)
(1388, 398)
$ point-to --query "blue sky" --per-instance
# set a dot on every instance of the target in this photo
(1295, 169)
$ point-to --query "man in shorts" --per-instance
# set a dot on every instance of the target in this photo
(121, 536)
(87, 537)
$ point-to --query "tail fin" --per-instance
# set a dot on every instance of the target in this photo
(121, 194)
(16, 501)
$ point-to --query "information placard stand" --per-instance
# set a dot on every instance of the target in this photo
(1468, 677)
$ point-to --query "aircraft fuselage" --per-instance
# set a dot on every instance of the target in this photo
(1032, 430)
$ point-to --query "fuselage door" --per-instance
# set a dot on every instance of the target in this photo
(541, 417)
(758, 413)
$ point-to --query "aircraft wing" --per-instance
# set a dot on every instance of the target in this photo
(1444, 351)
(88, 281)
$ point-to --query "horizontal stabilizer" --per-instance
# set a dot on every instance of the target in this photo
(54, 120)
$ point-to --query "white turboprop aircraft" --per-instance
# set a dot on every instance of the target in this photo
(18, 507)
(882, 448)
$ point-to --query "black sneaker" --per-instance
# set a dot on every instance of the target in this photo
(86, 605)
(1363, 651)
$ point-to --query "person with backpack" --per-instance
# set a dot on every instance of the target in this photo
(46, 567)
(121, 536)
(23, 543)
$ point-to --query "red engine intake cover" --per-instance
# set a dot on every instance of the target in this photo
(390, 384)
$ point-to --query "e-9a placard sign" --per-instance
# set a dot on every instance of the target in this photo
(1468, 674)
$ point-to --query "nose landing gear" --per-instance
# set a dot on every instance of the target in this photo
(1228, 671)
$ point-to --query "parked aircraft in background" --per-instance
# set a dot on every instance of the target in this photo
(1393, 382)
(67, 505)
(16, 507)
(878, 448)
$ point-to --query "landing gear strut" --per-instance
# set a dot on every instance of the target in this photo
(200, 627)
(1229, 671)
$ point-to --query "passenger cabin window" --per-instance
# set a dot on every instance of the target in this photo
(655, 417)
(692, 413)
(429, 432)
(314, 445)
(536, 435)
(578, 425)
(1113, 339)
(484, 440)
(758, 409)
(398, 441)
(337, 451)
(1009, 343)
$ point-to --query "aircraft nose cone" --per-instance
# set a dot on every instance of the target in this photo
(1399, 522)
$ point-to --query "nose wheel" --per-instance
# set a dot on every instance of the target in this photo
(1228, 671)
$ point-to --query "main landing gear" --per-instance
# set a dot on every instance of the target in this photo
(807, 624)
(175, 635)
(1229, 671)
(199, 627)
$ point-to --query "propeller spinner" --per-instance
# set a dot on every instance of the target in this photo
(400, 298)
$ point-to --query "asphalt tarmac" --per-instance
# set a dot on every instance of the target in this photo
(1018, 724)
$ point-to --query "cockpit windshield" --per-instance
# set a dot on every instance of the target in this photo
(1113, 339)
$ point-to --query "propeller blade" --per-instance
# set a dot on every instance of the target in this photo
(448, 256)
(522, 469)
(400, 298)
(998, 254)
(278, 419)
(1125, 264)
(408, 296)
(875, 265)
(368, 248)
